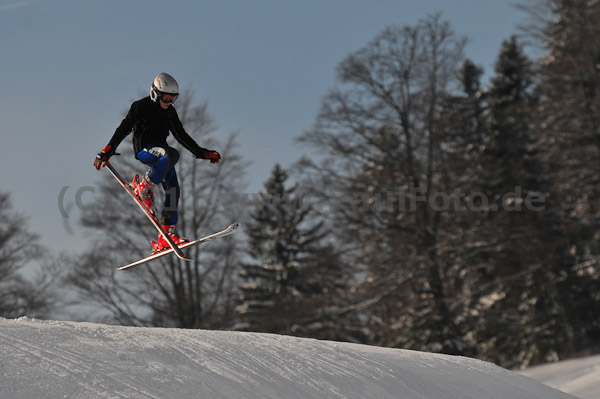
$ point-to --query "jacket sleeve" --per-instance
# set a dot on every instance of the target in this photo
(124, 128)
(183, 138)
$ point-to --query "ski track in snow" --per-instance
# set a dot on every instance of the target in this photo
(53, 359)
(68, 368)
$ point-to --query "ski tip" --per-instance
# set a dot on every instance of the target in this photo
(234, 226)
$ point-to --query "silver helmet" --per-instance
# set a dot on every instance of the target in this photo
(164, 84)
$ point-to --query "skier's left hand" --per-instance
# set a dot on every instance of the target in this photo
(214, 156)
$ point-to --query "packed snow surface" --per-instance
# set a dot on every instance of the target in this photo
(57, 359)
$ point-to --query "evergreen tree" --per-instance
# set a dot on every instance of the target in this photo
(518, 271)
(293, 275)
(569, 118)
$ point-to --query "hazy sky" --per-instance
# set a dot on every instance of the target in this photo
(71, 67)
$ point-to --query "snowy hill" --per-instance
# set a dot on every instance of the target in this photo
(580, 377)
(52, 359)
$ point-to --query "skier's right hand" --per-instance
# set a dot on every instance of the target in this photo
(103, 156)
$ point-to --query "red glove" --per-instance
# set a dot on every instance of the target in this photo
(103, 156)
(214, 156)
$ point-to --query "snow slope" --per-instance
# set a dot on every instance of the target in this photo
(55, 359)
(580, 377)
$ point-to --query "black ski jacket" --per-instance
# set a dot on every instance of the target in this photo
(151, 126)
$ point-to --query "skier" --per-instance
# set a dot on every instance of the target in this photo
(151, 118)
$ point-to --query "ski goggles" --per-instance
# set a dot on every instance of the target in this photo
(167, 98)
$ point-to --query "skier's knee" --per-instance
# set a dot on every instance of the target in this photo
(173, 156)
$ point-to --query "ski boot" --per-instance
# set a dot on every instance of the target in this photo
(162, 243)
(143, 189)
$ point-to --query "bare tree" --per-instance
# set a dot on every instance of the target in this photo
(23, 294)
(379, 132)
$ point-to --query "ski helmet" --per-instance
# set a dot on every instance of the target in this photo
(164, 84)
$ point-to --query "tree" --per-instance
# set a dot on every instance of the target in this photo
(22, 294)
(294, 280)
(169, 292)
(569, 77)
(512, 237)
(471, 216)
(381, 136)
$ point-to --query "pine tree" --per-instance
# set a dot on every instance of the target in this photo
(569, 118)
(511, 249)
(290, 268)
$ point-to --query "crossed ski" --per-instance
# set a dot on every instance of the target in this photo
(174, 248)
(229, 230)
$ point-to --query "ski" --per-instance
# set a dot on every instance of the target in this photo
(229, 230)
(160, 229)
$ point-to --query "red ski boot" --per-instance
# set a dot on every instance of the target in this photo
(162, 242)
(143, 189)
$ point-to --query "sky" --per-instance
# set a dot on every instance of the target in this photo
(70, 68)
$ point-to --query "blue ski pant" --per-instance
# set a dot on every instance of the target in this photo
(162, 162)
